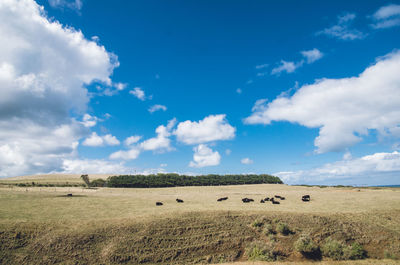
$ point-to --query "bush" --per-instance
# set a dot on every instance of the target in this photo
(388, 255)
(268, 230)
(98, 183)
(257, 223)
(355, 251)
(282, 228)
(306, 245)
(333, 249)
(261, 251)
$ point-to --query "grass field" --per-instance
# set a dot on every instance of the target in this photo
(42, 225)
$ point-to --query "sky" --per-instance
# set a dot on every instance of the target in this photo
(308, 92)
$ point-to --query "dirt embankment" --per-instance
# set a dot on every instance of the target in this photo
(200, 237)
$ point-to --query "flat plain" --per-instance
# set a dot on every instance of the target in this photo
(123, 225)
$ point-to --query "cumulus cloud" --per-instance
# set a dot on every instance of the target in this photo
(312, 55)
(246, 161)
(204, 157)
(343, 109)
(130, 154)
(372, 169)
(93, 166)
(157, 107)
(211, 128)
(139, 93)
(120, 86)
(387, 17)
(132, 140)
(161, 142)
(89, 120)
(96, 140)
(261, 66)
(342, 30)
(44, 68)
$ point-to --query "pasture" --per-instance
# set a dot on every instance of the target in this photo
(115, 225)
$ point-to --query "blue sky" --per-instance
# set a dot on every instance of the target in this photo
(307, 92)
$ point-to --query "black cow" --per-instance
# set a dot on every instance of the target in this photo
(306, 198)
(275, 202)
(282, 198)
(262, 201)
(159, 203)
(246, 200)
(69, 195)
(266, 199)
(222, 199)
(179, 200)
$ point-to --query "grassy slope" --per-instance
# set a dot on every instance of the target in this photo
(39, 225)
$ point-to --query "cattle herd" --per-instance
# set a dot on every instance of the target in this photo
(274, 200)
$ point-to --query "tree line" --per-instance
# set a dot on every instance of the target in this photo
(175, 180)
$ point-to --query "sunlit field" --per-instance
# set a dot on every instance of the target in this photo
(119, 225)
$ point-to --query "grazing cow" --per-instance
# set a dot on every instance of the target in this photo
(69, 195)
(222, 199)
(159, 203)
(246, 200)
(262, 201)
(179, 200)
(266, 199)
(275, 202)
(282, 198)
(306, 198)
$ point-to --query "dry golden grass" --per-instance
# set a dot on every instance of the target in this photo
(39, 203)
(351, 262)
(124, 225)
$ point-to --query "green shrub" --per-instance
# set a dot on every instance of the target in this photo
(98, 183)
(333, 249)
(282, 228)
(355, 251)
(388, 255)
(306, 245)
(257, 223)
(269, 229)
(261, 251)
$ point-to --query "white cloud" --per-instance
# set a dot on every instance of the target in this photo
(387, 17)
(211, 128)
(139, 93)
(130, 154)
(312, 55)
(343, 109)
(89, 120)
(378, 168)
(44, 68)
(261, 66)
(160, 143)
(157, 107)
(228, 151)
(96, 140)
(72, 4)
(246, 161)
(288, 67)
(204, 156)
(93, 166)
(120, 86)
(163, 165)
(132, 139)
(342, 29)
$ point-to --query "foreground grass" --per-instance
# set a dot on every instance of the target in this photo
(106, 226)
